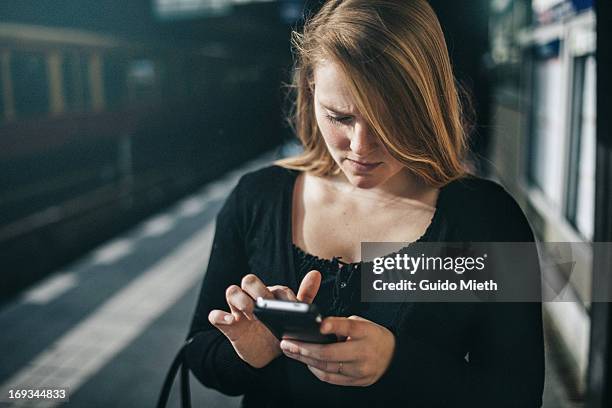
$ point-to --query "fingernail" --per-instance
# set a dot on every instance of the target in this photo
(290, 347)
(325, 327)
(228, 318)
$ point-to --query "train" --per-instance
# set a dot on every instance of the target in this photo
(97, 131)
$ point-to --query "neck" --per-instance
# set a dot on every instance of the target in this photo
(402, 186)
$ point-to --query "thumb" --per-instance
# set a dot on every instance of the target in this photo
(309, 287)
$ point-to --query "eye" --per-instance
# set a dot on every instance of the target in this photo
(339, 120)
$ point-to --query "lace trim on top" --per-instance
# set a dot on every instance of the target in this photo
(344, 278)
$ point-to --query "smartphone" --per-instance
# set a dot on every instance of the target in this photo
(292, 320)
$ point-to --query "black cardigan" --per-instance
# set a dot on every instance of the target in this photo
(503, 342)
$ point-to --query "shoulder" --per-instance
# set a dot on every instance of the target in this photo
(259, 195)
(485, 209)
(266, 179)
(477, 191)
(264, 186)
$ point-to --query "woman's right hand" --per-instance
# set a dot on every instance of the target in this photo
(251, 339)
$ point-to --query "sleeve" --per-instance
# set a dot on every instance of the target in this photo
(425, 369)
(502, 361)
(210, 355)
(506, 360)
(504, 365)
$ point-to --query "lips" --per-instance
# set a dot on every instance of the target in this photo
(362, 165)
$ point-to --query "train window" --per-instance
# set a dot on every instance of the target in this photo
(581, 186)
(30, 83)
(75, 69)
(545, 166)
(142, 81)
(114, 76)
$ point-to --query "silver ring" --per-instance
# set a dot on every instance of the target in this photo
(340, 367)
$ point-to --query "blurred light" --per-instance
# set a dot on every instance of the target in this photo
(555, 10)
(540, 6)
(170, 9)
(174, 9)
(142, 71)
(499, 6)
(291, 10)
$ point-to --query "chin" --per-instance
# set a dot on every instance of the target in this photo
(362, 180)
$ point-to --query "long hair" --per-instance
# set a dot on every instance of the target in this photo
(396, 62)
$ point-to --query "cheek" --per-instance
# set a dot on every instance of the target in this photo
(335, 138)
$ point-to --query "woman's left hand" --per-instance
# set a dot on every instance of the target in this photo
(360, 360)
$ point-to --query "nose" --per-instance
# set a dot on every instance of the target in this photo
(363, 142)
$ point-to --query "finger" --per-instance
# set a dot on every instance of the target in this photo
(333, 378)
(220, 320)
(239, 302)
(220, 317)
(341, 351)
(282, 293)
(348, 369)
(309, 287)
(254, 287)
(329, 366)
(348, 327)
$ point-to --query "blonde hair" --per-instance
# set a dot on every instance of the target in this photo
(395, 59)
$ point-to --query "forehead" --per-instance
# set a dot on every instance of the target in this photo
(331, 87)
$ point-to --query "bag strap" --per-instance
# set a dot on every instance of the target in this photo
(185, 389)
(178, 363)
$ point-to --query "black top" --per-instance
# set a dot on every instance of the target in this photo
(447, 354)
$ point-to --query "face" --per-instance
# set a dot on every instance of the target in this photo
(362, 158)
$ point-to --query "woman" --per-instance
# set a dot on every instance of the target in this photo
(380, 121)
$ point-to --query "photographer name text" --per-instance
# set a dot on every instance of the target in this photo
(438, 285)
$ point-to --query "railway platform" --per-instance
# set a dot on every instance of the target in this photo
(107, 326)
